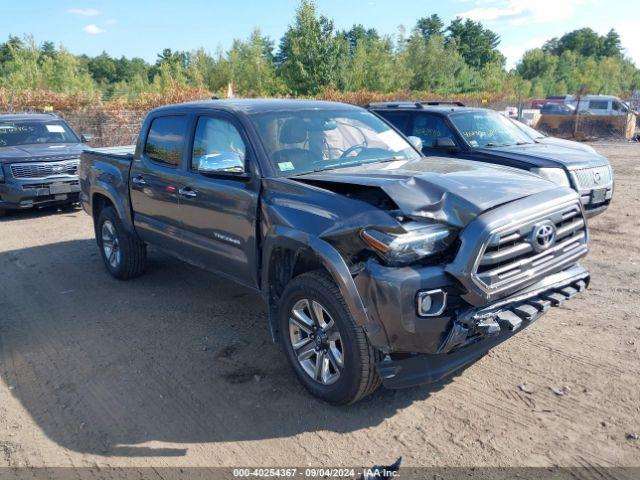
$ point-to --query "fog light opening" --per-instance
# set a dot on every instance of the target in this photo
(431, 303)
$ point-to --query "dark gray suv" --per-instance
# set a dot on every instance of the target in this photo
(39, 155)
(453, 130)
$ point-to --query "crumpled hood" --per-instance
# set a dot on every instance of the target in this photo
(39, 153)
(548, 155)
(446, 190)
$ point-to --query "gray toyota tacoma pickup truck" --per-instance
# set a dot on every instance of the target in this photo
(378, 265)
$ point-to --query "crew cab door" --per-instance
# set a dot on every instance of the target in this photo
(218, 208)
(155, 180)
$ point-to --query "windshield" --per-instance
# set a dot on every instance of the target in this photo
(26, 133)
(531, 132)
(484, 128)
(302, 141)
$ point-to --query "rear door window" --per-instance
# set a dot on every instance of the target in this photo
(429, 128)
(165, 142)
(400, 120)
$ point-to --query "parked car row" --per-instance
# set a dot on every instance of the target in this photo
(393, 245)
(585, 105)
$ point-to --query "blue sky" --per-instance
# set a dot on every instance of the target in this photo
(144, 28)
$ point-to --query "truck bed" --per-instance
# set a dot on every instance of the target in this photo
(107, 169)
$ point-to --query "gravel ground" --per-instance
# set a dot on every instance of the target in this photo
(177, 368)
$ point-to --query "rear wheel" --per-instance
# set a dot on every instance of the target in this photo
(123, 253)
(329, 353)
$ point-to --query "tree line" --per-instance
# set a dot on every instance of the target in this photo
(313, 56)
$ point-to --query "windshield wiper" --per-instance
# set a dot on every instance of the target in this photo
(352, 164)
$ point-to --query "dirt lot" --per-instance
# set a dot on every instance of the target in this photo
(177, 368)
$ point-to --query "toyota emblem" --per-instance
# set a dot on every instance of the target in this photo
(57, 168)
(544, 235)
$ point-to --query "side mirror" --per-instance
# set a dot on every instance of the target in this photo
(223, 162)
(416, 142)
(86, 137)
(446, 143)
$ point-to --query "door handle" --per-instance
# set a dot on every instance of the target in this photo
(139, 180)
(188, 192)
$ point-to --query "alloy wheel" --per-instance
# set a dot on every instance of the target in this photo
(316, 341)
(110, 244)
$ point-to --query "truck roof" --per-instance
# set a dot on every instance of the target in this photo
(15, 117)
(257, 105)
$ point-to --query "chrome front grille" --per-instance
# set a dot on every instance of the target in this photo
(595, 177)
(518, 253)
(44, 170)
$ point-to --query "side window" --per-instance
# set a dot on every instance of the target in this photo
(166, 139)
(214, 138)
(598, 104)
(619, 107)
(399, 120)
(429, 128)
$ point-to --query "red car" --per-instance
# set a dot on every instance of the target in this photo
(539, 102)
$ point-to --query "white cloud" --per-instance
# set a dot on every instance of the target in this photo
(93, 29)
(630, 38)
(522, 12)
(84, 12)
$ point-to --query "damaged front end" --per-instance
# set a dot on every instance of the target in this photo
(436, 272)
(500, 280)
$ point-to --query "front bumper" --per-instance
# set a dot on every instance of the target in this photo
(22, 194)
(592, 201)
(595, 198)
(474, 331)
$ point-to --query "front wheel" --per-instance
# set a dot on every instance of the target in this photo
(329, 353)
(123, 253)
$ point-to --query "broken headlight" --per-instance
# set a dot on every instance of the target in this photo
(419, 241)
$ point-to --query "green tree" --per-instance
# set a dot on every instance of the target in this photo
(431, 25)
(310, 53)
(436, 66)
(251, 66)
(370, 66)
(476, 44)
(359, 33)
(586, 43)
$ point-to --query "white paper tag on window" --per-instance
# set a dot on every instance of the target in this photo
(286, 166)
(55, 128)
(393, 140)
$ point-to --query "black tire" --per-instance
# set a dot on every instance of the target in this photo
(132, 252)
(358, 377)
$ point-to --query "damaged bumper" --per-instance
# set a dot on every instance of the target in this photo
(474, 331)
